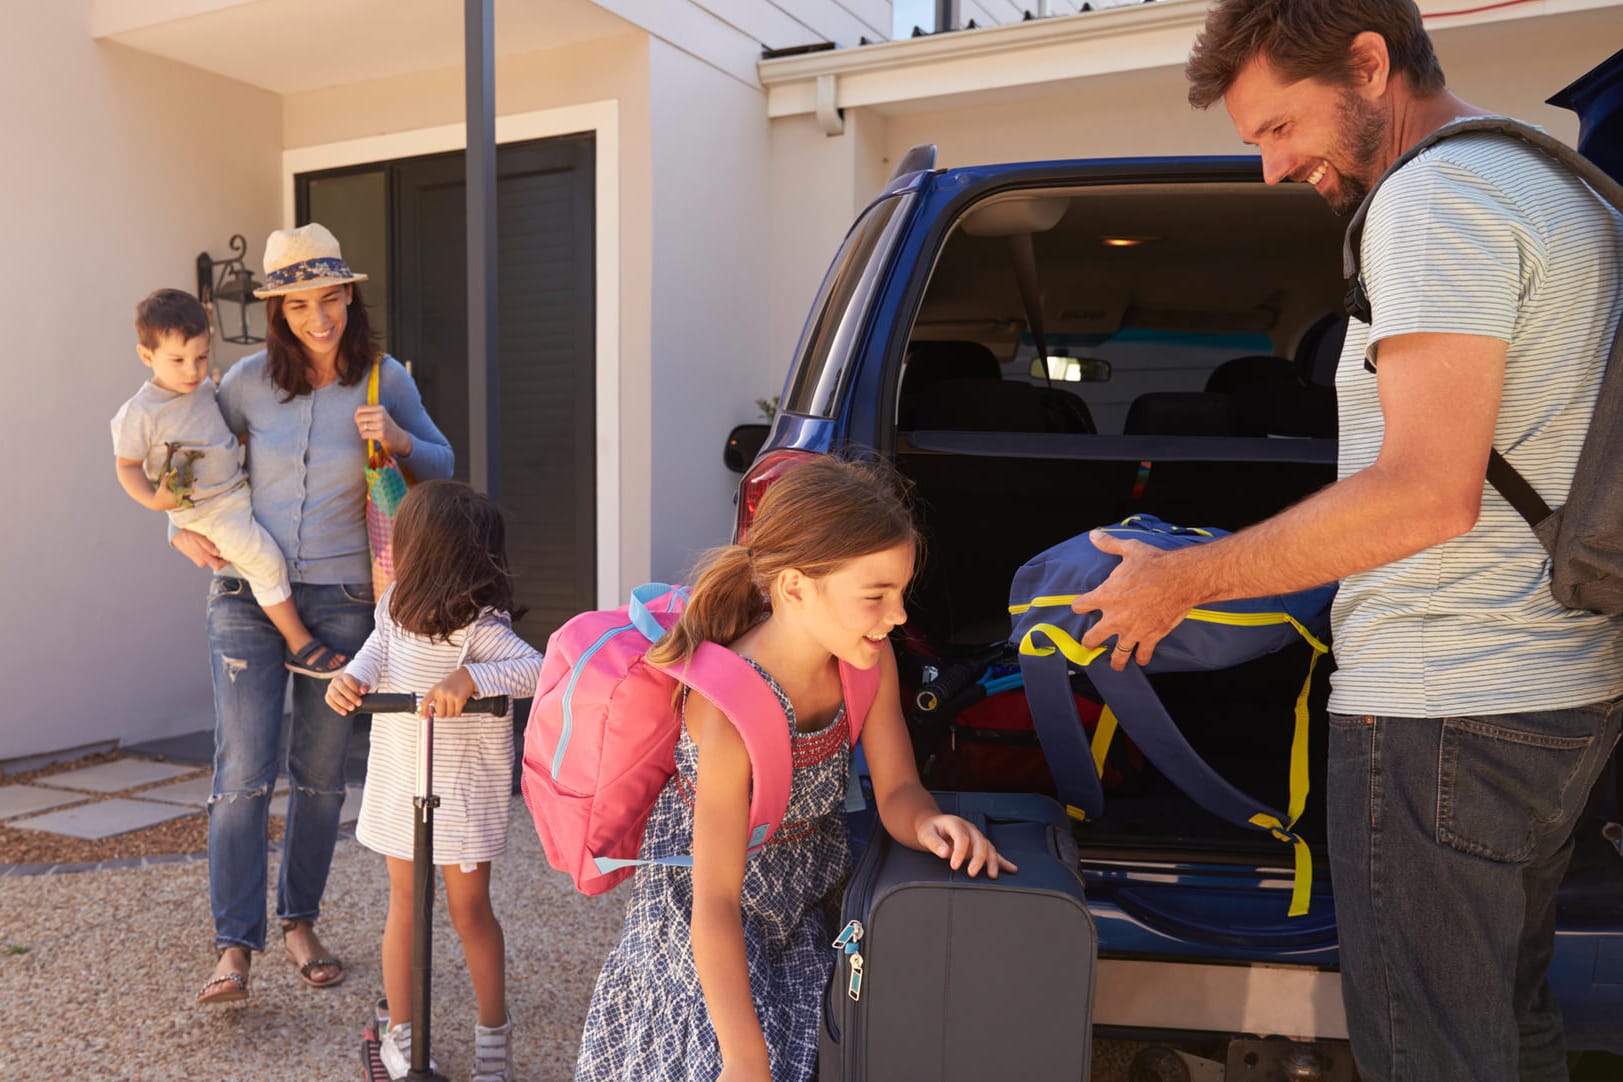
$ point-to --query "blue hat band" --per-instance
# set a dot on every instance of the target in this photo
(307, 271)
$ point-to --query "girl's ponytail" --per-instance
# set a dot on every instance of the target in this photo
(723, 603)
(814, 518)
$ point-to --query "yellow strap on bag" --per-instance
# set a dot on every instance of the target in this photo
(1082, 656)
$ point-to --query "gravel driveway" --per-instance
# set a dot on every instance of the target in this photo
(98, 971)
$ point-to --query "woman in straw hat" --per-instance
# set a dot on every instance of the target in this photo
(301, 407)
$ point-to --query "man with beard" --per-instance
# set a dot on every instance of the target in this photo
(1470, 713)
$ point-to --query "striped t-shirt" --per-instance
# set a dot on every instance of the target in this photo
(473, 754)
(1483, 235)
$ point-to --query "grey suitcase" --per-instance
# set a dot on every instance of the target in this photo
(944, 978)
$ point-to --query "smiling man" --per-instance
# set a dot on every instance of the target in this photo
(1470, 713)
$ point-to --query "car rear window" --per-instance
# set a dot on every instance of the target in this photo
(829, 340)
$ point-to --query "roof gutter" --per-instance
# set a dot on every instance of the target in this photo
(1135, 37)
(1016, 54)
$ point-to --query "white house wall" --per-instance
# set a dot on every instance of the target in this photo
(710, 360)
(818, 185)
(122, 168)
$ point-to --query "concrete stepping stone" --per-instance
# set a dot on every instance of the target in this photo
(193, 792)
(102, 819)
(116, 776)
(23, 799)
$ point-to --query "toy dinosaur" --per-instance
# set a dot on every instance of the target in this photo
(178, 479)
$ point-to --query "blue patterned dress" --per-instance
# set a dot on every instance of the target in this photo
(648, 1018)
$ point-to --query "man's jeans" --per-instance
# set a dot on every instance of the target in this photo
(1448, 839)
(250, 686)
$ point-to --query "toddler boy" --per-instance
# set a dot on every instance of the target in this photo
(174, 453)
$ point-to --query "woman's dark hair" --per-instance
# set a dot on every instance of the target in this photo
(817, 516)
(450, 556)
(1303, 39)
(284, 354)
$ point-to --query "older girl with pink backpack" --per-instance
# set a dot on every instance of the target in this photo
(734, 735)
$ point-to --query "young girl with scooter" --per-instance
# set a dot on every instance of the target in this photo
(446, 625)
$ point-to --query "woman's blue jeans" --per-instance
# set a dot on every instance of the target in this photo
(250, 731)
(1448, 839)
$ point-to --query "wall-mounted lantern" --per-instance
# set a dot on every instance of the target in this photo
(234, 285)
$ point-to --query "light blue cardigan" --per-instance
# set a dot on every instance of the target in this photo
(307, 462)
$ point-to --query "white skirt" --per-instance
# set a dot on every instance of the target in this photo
(473, 778)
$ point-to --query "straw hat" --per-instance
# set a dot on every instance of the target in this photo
(303, 258)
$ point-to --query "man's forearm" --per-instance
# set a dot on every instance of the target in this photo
(1370, 519)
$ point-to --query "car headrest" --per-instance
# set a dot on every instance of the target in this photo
(936, 361)
(930, 364)
(974, 405)
(1187, 413)
(1319, 351)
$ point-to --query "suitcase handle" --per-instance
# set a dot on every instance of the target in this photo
(1061, 845)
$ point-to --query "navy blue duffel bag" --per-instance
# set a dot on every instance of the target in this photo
(1216, 636)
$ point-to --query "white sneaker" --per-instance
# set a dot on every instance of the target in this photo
(493, 1053)
(395, 1051)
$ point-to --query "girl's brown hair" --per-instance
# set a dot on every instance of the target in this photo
(1303, 39)
(816, 517)
(284, 355)
(450, 554)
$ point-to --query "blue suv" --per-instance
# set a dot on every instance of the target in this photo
(1043, 348)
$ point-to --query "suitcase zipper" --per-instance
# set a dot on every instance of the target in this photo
(847, 941)
(858, 897)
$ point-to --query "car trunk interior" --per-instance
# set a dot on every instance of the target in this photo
(1192, 331)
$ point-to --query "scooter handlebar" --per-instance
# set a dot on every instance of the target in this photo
(407, 703)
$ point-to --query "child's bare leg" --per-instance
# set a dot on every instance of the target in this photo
(467, 895)
(285, 615)
(397, 941)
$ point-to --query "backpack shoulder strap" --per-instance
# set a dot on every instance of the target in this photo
(1500, 473)
(738, 691)
(1585, 170)
(861, 689)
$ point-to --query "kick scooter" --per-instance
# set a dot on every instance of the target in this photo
(422, 875)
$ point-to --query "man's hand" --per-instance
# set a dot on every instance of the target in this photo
(198, 549)
(1138, 605)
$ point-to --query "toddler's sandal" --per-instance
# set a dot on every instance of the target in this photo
(319, 660)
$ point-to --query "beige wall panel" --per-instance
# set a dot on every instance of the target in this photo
(709, 362)
(121, 168)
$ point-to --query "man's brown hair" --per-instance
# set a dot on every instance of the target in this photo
(1303, 39)
(169, 311)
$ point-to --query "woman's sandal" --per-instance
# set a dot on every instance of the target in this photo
(307, 969)
(232, 986)
(317, 659)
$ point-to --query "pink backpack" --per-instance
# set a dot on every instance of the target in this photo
(602, 735)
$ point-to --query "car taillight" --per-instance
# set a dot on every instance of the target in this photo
(755, 483)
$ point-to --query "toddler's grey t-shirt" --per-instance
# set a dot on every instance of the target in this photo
(154, 417)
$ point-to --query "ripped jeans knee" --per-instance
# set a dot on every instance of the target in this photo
(231, 795)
